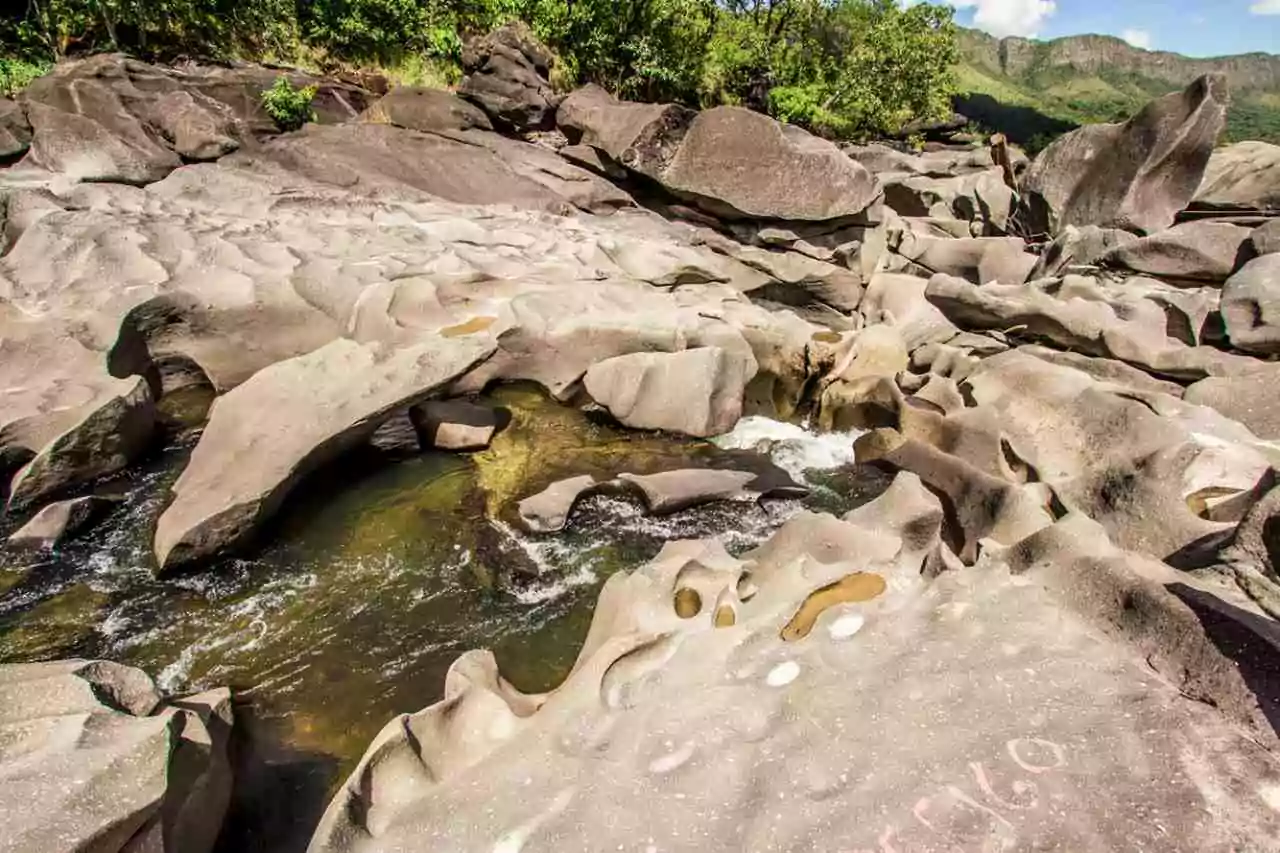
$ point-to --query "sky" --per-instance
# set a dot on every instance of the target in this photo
(1191, 27)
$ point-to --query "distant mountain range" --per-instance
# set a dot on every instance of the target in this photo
(1034, 90)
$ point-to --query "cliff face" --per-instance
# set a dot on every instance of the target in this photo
(1036, 89)
(1090, 54)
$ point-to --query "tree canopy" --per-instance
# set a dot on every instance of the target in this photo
(844, 68)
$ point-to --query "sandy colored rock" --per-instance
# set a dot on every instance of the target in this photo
(1251, 306)
(428, 110)
(657, 645)
(727, 160)
(1200, 251)
(1265, 239)
(15, 130)
(1242, 176)
(673, 491)
(1137, 175)
(1248, 399)
(696, 392)
(336, 397)
(55, 522)
(457, 424)
(94, 760)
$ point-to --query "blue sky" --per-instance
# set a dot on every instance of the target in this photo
(1193, 27)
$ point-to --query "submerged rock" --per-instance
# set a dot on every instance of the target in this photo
(94, 759)
(51, 525)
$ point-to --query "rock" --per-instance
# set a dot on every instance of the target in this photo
(506, 76)
(1137, 175)
(1244, 176)
(470, 169)
(1256, 540)
(1091, 326)
(1196, 251)
(427, 110)
(57, 521)
(457, 425)
(1078, 247)
(548, 511)
(15, 130)
(728, 161)
(696, 392)
(84, 150)
(1248, 399)
(246, 464)
(899, 300)
(1108, 371)
(982, 198)
(979, 259)
(673, 491)
(1251, 306)
(94, 760)
(826, 602)
(1265, 239)
(792, 278)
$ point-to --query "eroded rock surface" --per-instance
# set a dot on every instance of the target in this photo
(93, 758)
(693, 662)
(1137, 175)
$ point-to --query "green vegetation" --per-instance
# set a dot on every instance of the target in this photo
(16, 74)
(288, 107)
(846, 68)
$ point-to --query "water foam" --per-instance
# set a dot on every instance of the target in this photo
(793, 448)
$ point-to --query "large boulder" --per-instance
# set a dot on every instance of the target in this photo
(15, 130)
(1249, 399)
(506, 76)
(1251, 306)
(695, 392)
(980, 198)
(427, 110)
(1193, 251)
(1138, 175)
(324, 403)
(1241, 177)
(729, 161)
(700, 662)
(91, 758)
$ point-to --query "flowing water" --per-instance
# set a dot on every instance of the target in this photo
(380, 572)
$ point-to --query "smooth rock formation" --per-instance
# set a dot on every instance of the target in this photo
(1137, 175)
(15, 130)
(506, 76)
(1249, 399)
(1242, 177)
(93, 759)
(456, 424)
(729, 161)
(1196, 251)
(700, 662)
(336, 397)
(696, 392)
(427, 110)
(1251, 306)
(548, 511)
(1265, 239)
(50, 526)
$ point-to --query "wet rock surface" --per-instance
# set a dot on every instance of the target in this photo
(841, 452)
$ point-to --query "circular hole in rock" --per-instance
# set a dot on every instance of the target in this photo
(688, 603)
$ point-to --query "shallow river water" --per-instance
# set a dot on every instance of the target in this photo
(380, 572)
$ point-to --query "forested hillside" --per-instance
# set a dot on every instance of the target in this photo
(1033, 90)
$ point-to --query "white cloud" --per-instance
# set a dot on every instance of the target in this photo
(1016, 17)
(1141, 38)
(1266, 7)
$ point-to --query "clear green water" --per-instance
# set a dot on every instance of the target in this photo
(380, 572)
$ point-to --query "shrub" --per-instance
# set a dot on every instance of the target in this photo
(288, 107)
(17, 74)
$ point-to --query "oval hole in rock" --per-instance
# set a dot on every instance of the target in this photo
(688, 603)
(747, 588)
(725, 617)
(859, 586)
